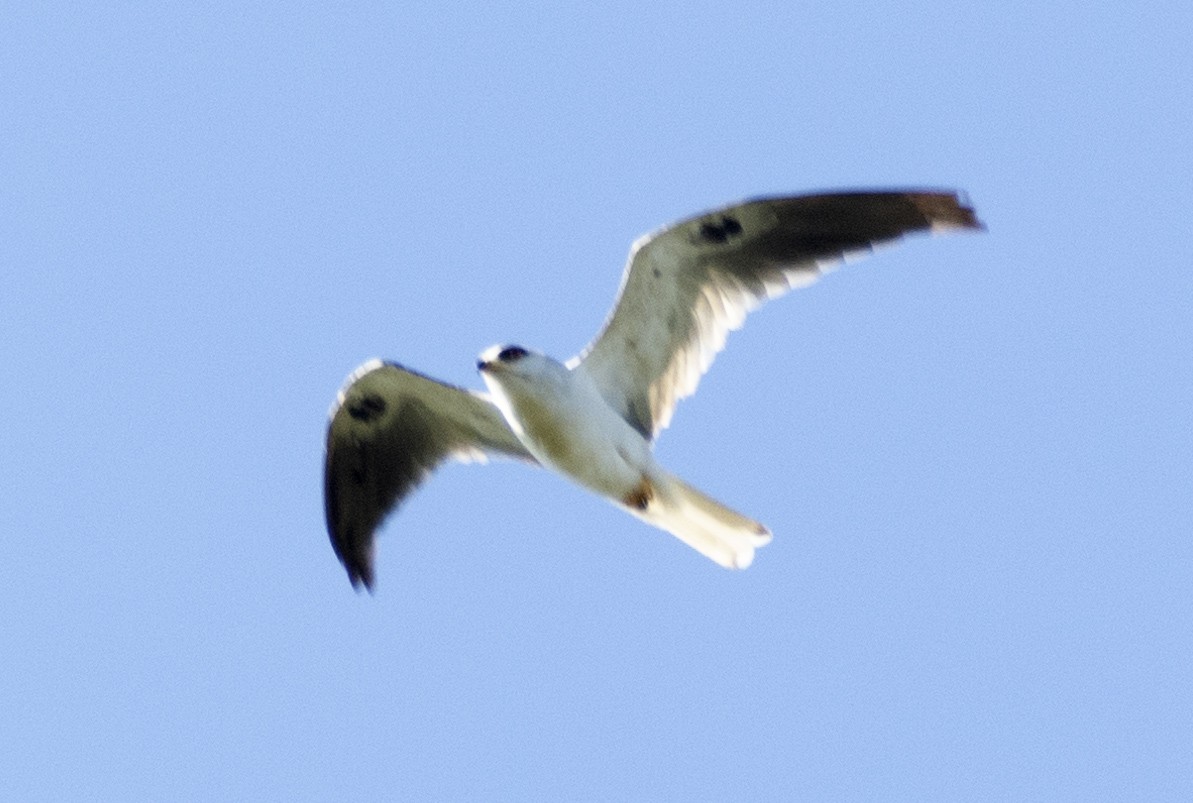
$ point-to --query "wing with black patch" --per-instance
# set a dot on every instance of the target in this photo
(688, 285)
(390, 428)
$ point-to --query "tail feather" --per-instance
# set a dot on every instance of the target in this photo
(720, 534)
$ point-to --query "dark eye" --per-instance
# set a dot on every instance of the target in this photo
(511, 353)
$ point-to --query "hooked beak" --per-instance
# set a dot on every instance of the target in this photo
(488, 359)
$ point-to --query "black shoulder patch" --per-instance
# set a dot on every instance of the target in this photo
(719, 231)
(366, 408)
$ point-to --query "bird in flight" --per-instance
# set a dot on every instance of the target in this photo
(594, 418)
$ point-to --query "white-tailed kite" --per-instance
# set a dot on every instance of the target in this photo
(594, 418)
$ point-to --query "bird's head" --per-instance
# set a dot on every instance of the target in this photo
(501, 358)
(513, 366)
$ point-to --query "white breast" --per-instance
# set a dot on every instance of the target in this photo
(566, 424)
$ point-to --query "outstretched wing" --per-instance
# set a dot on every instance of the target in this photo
(390, 428)
(688, 285)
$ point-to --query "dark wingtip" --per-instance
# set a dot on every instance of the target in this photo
(361, 579)
(355, 553)
(358, 562)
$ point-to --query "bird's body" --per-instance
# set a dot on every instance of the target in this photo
(594, 419)
(562, 419)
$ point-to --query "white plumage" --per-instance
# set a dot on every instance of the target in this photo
(594, 419)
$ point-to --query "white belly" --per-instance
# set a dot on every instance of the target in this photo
(589, 446)
(575, 432)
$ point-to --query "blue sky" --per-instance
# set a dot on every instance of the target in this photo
(974, 451)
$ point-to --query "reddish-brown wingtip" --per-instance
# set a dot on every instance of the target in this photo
(946, 210)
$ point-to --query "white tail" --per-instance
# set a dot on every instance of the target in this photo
(713, 530)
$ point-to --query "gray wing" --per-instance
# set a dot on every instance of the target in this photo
(389, 429)
(688, 285)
